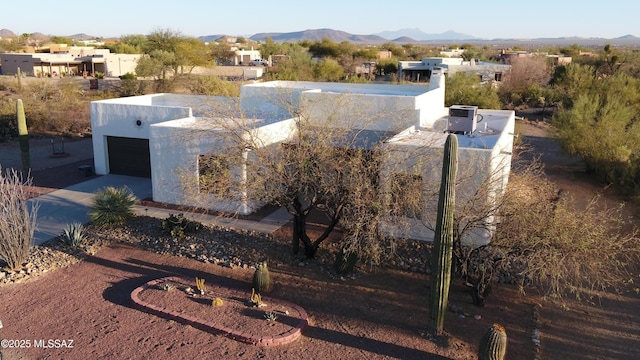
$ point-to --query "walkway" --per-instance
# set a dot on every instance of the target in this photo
(61, 207)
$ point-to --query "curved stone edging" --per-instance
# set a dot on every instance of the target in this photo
(246, 337)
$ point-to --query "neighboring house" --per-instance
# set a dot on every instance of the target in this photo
(420, 71)
(71, 60)
(170, 137)
(244, 57)
(560, 59)
(506, 57)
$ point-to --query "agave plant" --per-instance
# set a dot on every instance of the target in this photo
(73, 235)
(112, 206)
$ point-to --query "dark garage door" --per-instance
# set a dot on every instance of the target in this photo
(129, 156)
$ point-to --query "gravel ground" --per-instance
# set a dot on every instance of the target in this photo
(222, 246)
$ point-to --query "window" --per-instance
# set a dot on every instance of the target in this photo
(214, 174)
(407, 196)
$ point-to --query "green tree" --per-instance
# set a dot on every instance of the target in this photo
(466, 89)
(324, 48)
(220, 53)
(269, 48)
(191, 52)
(138, 41)
(156, 64)
(298, 67)
(62, 40)
(610, 118)
(327, 70)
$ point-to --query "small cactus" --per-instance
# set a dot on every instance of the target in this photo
(256, 299)
(167, 286)
(216, 302)
(73, 235)
(493, 345)
(261, 280)
(200, 285)
(270, 316)
(345, 262)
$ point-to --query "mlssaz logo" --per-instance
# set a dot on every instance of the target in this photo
(53, 344)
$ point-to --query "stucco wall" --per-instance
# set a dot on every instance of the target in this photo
(113, 119)
(359, 111)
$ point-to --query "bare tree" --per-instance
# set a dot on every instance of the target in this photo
(325, 161)
(17, 218)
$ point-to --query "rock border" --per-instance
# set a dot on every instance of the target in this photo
(242, 336)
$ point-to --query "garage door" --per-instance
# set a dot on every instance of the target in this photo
(129, 156)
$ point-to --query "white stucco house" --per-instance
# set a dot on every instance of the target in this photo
(421, 70)
(165, 136)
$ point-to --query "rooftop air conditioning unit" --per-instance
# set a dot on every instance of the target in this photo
(462, 119)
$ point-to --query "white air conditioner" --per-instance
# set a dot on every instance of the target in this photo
(462, 119)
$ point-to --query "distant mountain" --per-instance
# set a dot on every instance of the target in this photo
(82, 37)
(5, 33)
(319, 34)
(420, 35)
(210, 38)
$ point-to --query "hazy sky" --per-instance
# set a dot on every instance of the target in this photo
(485, 19)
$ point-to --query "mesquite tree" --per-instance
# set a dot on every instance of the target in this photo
(443, 240)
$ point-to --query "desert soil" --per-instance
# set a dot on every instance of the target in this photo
(379, 313)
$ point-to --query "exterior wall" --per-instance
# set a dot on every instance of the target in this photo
(120, 64)
(478, 160)
(109, 118)
(243, 57)
(359, 111)
(11, 63)
(175, 147)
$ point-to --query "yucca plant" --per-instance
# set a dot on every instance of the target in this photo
(73, 235)
(112, 206)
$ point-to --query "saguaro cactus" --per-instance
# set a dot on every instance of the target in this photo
(443, 240)
(24, 135)
(493, 345)
(19, 75)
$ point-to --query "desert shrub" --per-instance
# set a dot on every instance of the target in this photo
(98, 75)
(17, 218)
(73, 235)
(128, 76)
(212, 85)
(112, 206)
(178, 225)
(559, 245)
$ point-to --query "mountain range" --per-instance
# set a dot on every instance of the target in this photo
(403, 36)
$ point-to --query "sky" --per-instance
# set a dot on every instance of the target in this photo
(487, 19)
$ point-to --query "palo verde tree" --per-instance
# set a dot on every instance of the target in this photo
(605, 109)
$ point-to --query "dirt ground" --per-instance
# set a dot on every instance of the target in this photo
(379, 314)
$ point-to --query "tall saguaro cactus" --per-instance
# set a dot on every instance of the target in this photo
(443, 240)
(24, 135)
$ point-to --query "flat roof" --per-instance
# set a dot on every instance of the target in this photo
(488, 131)
(365, 89)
